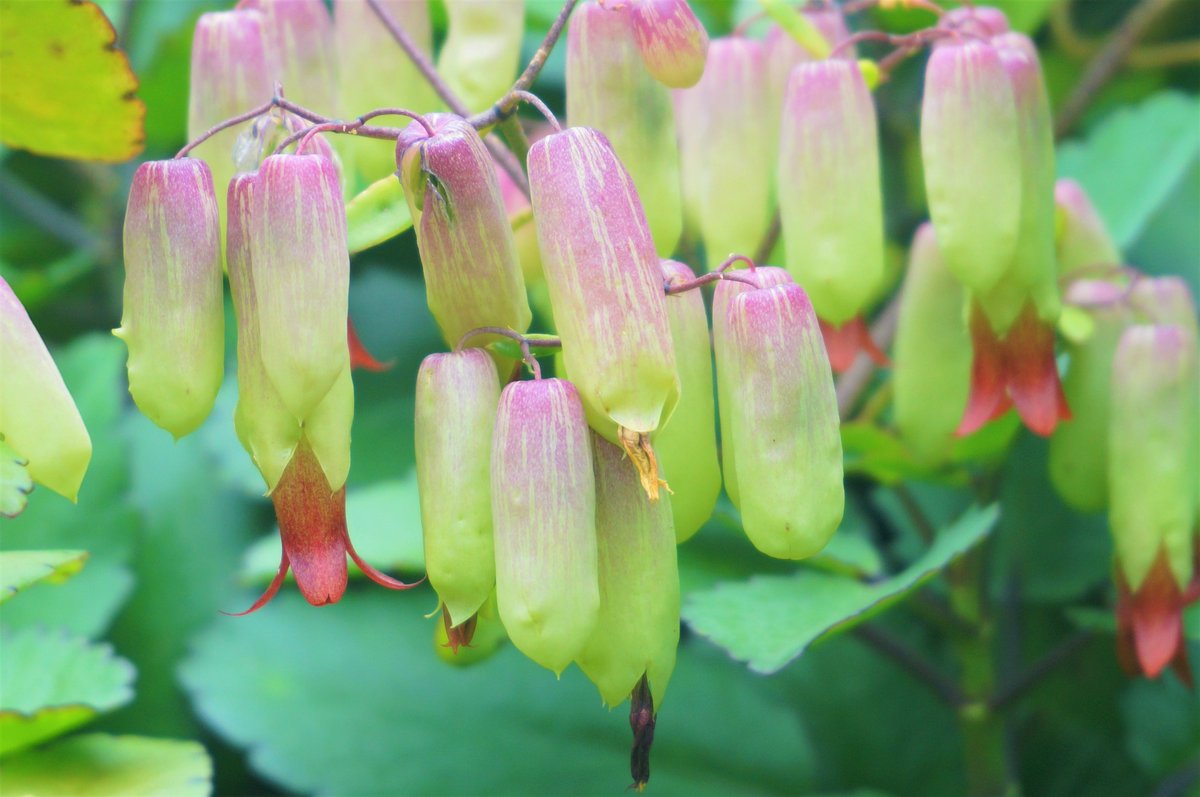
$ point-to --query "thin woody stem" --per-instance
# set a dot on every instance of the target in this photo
(704, 279)
(526, 344)
(418, 118)
(228, 123)
(535, 101)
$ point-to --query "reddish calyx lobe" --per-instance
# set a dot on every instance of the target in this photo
(843, 343)
(1150, 621)
(359, 356)
(461, 634)
(1017, 371)
(312, 525)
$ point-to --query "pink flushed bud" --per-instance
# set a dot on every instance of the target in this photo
(173, 318)
(783, 423)
(609, 89)
(687, 445)
(726, 354)
(301, 277)
(543, 511)
(38, 418)
(375, 73)
(469, 258)
(972, 159)
(1078, 457)
(456, 401)
(1152, 479)
(1014, 339)
(230, 74)
(299, 36)
(672, 41)
(727, 152)
(830, 198)
(1083, 241)
(607, 290)
(637, 630)
(1165, 300)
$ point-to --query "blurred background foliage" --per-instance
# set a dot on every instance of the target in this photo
(354, 698)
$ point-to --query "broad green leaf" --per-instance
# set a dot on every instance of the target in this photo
(1162, 720)
(278, 681)
(384, 521)
(21, 569)
(1132, 161)
(15, 482)
(377, 214)
(52, 683)
(768, 621)
(67, 91)
(99, 765)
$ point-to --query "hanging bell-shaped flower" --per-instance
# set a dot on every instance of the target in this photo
(480, 57)
(544, 517)
(472, 276)
(672, 41)
(173, 317)
(457, 396)
(606, 289)
(299, 36)
(687, 445)
(608, 88)
(1083, 240)
(637, 630)
(38, 418)
(1153, 436)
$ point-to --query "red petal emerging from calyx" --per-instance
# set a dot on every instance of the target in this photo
(359, 356)
(843, 343)
(1150, 622)
(1019, 370)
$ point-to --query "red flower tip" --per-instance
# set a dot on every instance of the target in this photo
(843, 343)
(1150, 622)
(461, 634)
(1019, 370)
(359, 356)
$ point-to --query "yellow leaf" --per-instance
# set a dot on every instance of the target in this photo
(65, 89)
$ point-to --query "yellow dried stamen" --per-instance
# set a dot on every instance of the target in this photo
(637, 448)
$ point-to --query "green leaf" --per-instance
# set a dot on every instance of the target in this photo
(99, 765)
(384, 521)
(768, 621)
(21, 569)
(377, 214)
(67, 92)
(53, 683)
(881, 456)
(1162, 721)
(15, 482)
(1133, 159)
(278, 681)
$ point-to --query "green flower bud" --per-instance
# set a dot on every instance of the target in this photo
(230, 74)
(375, 73)
(544, 518)
(606, 289)
(687, 445)
(479, 59)
(608, 88)
(173, 318)
(264, 426)
(971, 151)
(932, 372)
(1078, 459)
(301, 277)
(783, 423)
(672, 41)
(1153, 445)
(38, 418)
(457, 396)
(726, 355)
(637, 630)
(730, 209)
(1083, 240)
(472, 277)
(830, 199)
